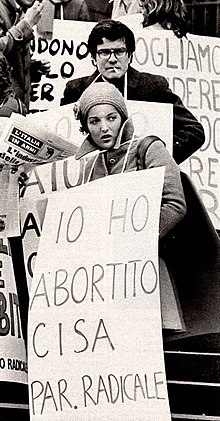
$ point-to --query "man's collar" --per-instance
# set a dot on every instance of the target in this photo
(133, 77)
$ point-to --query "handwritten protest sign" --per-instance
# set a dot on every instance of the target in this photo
(156, 118)
(95, 343)
(13, 362)
(192, 67)
(69, 58)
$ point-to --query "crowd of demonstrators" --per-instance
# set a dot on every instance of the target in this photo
(104, 118)
(17, 19)
(111, 45)
(165, 14)
(101, 97)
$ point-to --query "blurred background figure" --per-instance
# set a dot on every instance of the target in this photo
(99, 10)
(71, 9)
(17, 19)
(124, 7)
(9, 103)
(165, 14)
(61, 9)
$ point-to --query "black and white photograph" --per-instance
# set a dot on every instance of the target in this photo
(110, 286)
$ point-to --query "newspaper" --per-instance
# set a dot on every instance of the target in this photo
(28, 143)
(23, 145)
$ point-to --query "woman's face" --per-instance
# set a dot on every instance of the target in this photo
(104, 123)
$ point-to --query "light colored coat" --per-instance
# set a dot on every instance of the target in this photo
(147, 152)
(134, 154)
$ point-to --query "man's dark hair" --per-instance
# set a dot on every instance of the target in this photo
(111, 30)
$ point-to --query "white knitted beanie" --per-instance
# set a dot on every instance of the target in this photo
(101, 93)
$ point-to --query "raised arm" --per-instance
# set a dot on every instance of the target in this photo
(20, 33)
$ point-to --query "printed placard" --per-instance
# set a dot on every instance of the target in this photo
(95, 338)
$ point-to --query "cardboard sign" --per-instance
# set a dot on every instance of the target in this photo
(13, 361)
(95, 338)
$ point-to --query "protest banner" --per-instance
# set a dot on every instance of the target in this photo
(191, 65)
(95, 338)
(13, 361)
(66, 174)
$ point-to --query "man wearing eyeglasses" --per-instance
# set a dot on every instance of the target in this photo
(111, 45)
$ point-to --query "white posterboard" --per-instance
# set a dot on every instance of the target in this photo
(95, 337)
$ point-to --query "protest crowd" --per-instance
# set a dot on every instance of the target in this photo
(110, 144)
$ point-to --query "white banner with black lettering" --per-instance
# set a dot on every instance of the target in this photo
(95, 338)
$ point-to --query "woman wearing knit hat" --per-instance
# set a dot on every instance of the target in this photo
(104, 117)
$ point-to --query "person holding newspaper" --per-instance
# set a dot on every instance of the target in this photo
(112, 44)
(104, 117)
